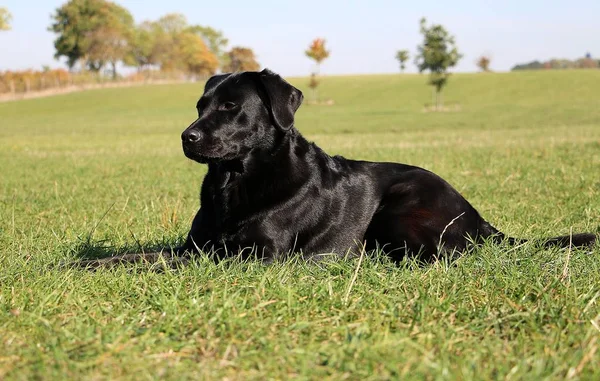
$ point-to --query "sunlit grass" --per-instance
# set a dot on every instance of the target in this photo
(102, 171)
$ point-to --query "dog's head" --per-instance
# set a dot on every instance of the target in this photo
(239, 113)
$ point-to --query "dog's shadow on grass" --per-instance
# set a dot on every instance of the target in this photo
(94, 254)
(90, 249)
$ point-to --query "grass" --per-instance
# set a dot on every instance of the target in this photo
(102, 171)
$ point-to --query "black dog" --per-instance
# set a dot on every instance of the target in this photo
(269, 191)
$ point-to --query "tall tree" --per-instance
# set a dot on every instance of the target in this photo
(91, 31)
(106, 45)
(402, 56)
(154, 43)
(437, 54)
(215, 40)
(5, 18)
(110, 41)
(141, 53)
(173, 23)
(241, 59)
(166, 32)
(72, 21)
(194, 57)
(170, 33)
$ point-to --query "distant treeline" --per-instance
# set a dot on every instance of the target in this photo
(581, 63)
(97, 35)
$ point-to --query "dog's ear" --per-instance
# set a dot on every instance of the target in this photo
(284, 99)
(214, 81)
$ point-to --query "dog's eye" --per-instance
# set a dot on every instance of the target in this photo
(227, 106)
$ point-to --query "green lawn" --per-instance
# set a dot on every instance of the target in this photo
(102, 171)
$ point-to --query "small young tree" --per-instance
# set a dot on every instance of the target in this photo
(402, 56)
(437, 54)
(317, 52)
(483, 63)
(5, 18)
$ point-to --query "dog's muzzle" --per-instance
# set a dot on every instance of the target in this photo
(190, 136)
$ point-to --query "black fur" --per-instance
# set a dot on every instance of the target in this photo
(269, 189)
(271, 192)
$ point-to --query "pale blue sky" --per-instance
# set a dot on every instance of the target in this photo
(362, 35)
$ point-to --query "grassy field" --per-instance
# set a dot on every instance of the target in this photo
(102, 172)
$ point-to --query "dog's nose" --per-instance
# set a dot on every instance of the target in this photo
(190, 136)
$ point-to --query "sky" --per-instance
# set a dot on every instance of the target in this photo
(363, 36)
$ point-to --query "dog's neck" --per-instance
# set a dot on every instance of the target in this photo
(263, 172)
(289, 146)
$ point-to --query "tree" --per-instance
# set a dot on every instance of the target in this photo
(110, 41)
(106, 45)
(215, 41)
(402, 56)
(141, 52)
(5, 18)
(194, 57)
(165, 49)
(317, 52)
(174, 45)
(71, 22)
(241, 59)
(155, 43)
(172, 23)
(437, 54)
(483, 63)
(91, 31)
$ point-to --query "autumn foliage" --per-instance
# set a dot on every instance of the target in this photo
(317, 50)
(30, 80)
(193, 56)
(96, 35)
(483, 63)
(241, 59)
(25, 81)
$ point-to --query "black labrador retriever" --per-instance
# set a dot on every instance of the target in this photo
(269, 191)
